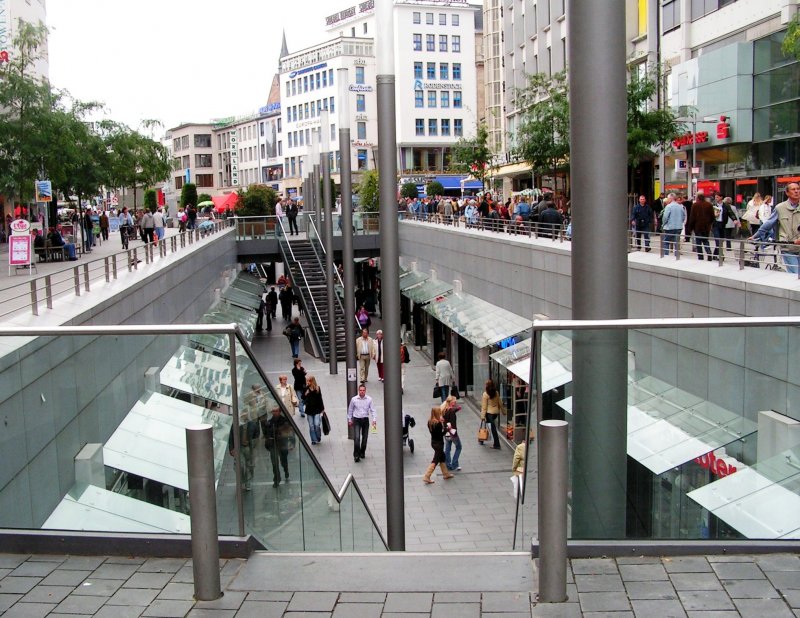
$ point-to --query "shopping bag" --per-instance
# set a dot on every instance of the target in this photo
(454, 391)
(437, 392)
(483, 432)
(326, 424)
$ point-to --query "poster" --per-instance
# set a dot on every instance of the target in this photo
(19, 250)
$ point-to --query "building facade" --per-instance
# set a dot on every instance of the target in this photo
(191, 150)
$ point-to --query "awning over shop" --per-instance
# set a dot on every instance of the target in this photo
(556, 360)
(427, 291)
(760, 502)
(479, 322)
(413, 278)
(225, 202)
(513, 169)
(668, 426)
(454, 182)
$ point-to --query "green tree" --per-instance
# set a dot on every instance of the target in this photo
(189, 195)
(409, 190)
(150, 200)
(369, 192)
(334, 190)
(791, 42)
(473, 156)
(256, 200)
(434, 187)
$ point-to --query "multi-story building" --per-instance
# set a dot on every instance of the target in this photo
(492, 108)
(192, 152)
(11, 13)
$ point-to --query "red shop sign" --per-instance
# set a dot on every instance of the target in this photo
(701, 137)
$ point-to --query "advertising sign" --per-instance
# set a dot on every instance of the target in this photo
(5, 31)
(44, 191)
(234, 158)
(19, 250)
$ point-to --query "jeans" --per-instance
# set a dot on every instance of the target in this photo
(452, 464)
(445, 392)
(295, 343)
(670, 237)
(360, 436)
(699, 243)
(315, 427)
(791, 261)
(491, 419)
(301, 404)
(718, 232)
(639, 235)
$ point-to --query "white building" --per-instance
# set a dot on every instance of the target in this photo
(191, 149)
(11, 12)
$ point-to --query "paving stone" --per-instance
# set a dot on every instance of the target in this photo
(59, 558)
(686, 564)
(61, 577)
(262, 609)
(662, 609)
(177, 592)
(312, 602)
(7, 600)
(651, 590)
(761, 608)
(184, 575)
(80, 605)
(125, 560)
(737, 570)
(168, 608)
(18, 585)
(4, 572)
(643, 572)
(12, 561)
(119, 611)
(792, 597)
(408, 602)
(211, 613)
(729, 558)
(594, 566)
(608, 615)
(695, 581)
(307, 615)
(599, 583)
(232, 599)
(704, 614)
(148, 580)
(133, 596)
(506, 602)
(47, 594)
(114, 571)
(603, 601)
(750, 589)
(706, 600)
(557, 610)
(448, 610)
(362, 597)
(98, 587)
(267, 595)
(506, 615)
(81, 563)
(162, 565)
(55, 615)
(784, 580)
(29, 610)
(358, 610)
(639, 560)
(779, 562)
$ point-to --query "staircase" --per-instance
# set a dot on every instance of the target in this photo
(307, 271)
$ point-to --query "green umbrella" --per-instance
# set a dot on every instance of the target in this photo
(206, 203)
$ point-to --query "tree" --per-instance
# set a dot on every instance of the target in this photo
(369, 192)
(334, 191)
(189, 195)
(256, 201)
(434, 187)
(473, 156)
(150, 200)
(409, 190)
(791, 42)
(203, 197)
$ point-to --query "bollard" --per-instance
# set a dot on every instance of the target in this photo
(553, 479)
(203, 505)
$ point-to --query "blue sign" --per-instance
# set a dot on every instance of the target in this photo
(270, 108)
(316, 67)
(507, 342)
(188, 174)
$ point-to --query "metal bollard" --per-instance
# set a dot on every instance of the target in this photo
(203, 505)
(553, 479)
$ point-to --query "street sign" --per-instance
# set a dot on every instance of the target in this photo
(44, 191)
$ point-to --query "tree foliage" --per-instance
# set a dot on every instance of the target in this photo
(434, 187)
(150, 200)
(203, 197)
(256, 200)
(369, 192)
(648, 127)
(189, 195)
(409, 190)
(473, 156)
(791, 42)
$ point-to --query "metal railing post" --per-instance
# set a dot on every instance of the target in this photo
(203, 503)
(107, 268)
(48, 291)
(553, 481)
(114, 265)
(76, 277)
(86, 276)
(34, 299)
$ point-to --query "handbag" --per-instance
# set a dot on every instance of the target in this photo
(437, 391)
(454, 390)
(483, 432)
(326, 424)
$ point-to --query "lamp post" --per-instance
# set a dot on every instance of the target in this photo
(390, 274)
(348, 267)
(315, 188)
(327, 235)
(694, 121)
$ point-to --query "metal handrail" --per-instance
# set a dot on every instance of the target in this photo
(530, 229)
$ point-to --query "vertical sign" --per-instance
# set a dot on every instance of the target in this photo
(5, 31)
(44, 189)
(234, 159)
(19, 244)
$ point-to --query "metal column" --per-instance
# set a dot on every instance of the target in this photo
(327, 235)
(553, 483)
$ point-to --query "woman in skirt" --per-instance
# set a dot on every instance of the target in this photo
(436, 427)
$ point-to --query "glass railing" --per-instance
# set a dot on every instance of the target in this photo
(680, 429)
(363, 223)
(94, 439)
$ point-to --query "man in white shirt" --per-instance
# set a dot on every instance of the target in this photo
(359, 412)
(365, 352)
(379, 354)
(160, 223)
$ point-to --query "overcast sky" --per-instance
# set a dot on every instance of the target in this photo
(177, 60)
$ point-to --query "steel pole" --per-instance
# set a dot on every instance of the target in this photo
(598, 163)
(348, 265)
(203, 504)
(553, 482)
(333, 367)
(317, 190)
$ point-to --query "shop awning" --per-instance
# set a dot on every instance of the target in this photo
(512, 169)
(427, 291)
(225, 202)
(413, 278)
(151, 440)
(454, 182)
(668, 426)
(760, 502)
(556, 360)
(479, 322)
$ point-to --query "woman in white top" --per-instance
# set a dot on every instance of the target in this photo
(287, 394)
(444, 375)
(751, 214)
(765, 210)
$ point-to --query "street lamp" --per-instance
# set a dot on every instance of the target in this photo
(694, 121)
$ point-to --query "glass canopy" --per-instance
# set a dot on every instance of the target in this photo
(411, 279)
(427, 291)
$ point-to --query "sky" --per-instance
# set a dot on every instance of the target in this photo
(177, 60)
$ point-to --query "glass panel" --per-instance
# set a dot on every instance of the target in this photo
(776, 86)
(777, 121)
(427, 291)
(768, 53)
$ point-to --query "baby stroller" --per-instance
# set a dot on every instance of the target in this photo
(408, 422)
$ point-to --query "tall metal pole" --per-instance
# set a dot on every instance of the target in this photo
(390, 275)
(315, 184)
(348, 266)
(598, 162)
(553, 483)
(327, 237)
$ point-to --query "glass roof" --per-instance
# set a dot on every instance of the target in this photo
(248, 283)
(427, 291)
(478, 321)
(239, 298)
(413, 278)
(556, 359)
(762, 501)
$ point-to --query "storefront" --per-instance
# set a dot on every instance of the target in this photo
(412, 317)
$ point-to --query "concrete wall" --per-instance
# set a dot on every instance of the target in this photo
(58, 394)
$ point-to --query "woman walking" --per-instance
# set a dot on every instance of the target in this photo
(436, 427)
(287, 394)
(451, 438)
(491, 408)
(314, 409)
(444, 376)
(299, 375)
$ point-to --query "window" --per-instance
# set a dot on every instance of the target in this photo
(454, 20)
(419, 124)
(176, 144)
(279, 125)
(443, 42)
(312, 82)
(293, 163)
(185, 161)
(458, 127)
(670, 15)
(365, 27)
(416, 17)
(330, 107)
(361, 130)
(330, 77)
(431, 98)
(313, 109)
(456, 43)
(317, 80)
(203, 160)
(457, 99)
(433, 126)
(176, 164)
(361, 157)
(305, 111)
(353, 31)
(456, 70)
(302, 139)
(359, 75)
(305, 83)
(430, 42)
(361, 103)
(184, 142)
(429, 18)
(445, 99)
(445, 126)
(444, 71)
(288, 88)
(205, 180)
(442, 19)
(324, 79)
(280, 148)
(431, 70)
(417, 42)
(417, 70)
(261, 128)
(289, 143)
(418, 99)
(294, 86)
(178, 182)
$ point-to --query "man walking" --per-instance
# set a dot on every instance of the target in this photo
(642, 220)
(365, 352)
(673, 220)
(786, 218)
(379, 354)
(294, 332)
(701, 218)
(359, 412)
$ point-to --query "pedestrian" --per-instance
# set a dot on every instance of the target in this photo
(642, 223)
(277, 440)
(365, 352)
(191, 217)
(444, 376)
(673, 218)
(104, 224)
(286, 297)
(359, 411)
(291, 215)
(272, 302)
(315, 406)
(160, 223)
(436, 428)
(701, 220)
(248, 434)
(405, 358)
(450, 408)
(300, 386)
(491, 408)
(379, 354)
(88, 231)
(784, 223)
(125, 226)
(294, 333)
(148, 227)
(287, 394)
